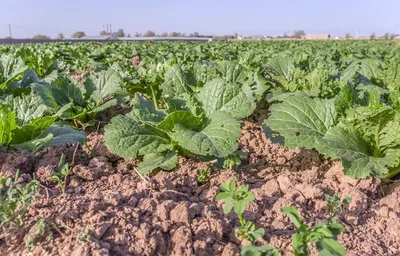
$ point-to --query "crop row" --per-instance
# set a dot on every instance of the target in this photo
(186, 99)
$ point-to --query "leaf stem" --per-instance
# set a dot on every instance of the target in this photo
(153, 95)
(392, 172)
(241, 220)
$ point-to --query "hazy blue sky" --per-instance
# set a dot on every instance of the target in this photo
(247, 17)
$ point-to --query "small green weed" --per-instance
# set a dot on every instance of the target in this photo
(203, 175)
(265, 250)
(63, 171)
(85, 235)
(232, 160)
(39, 231)
(15, 200)
(323, 235)
(335, 206)
(237, 199)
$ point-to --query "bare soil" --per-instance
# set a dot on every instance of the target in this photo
(111, 210)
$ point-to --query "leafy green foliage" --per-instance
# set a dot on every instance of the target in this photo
(365, 138)
(346, 82)
(324, 236)
(234, 198)
(176, 82)
(203, 174)
(341, 98)
(235, 160)
(42, 61)
(129, 138)
(10, 69)
(302, 120)
(26, 107)
(289, 76)
(237, 199)
(248, 231)
(147, 131)
(7, 125)
(61, 174)
(34, 134)
(217, 136)
(153, 161)
(15, 199)
(218, 95)
(144, 110)
(81, 103)
(265, 250)
(335, 206)
(54, 136)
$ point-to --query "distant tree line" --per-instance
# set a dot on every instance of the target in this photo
(60, 36)
(118, 33)
(151, 33)
(121, 33)
(386, 36)
(41, 37)
(298, 34)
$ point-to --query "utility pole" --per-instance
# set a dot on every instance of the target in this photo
(9, 30)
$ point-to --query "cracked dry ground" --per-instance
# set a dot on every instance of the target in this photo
(110, 210)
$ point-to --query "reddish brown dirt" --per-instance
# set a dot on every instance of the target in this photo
(110, 210)
(135, 61)
(79, 75)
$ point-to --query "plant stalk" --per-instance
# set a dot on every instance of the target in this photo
(153, 96)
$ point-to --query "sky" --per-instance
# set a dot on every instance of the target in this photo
(209, 17)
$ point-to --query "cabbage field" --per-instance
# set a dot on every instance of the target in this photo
(217, 148)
